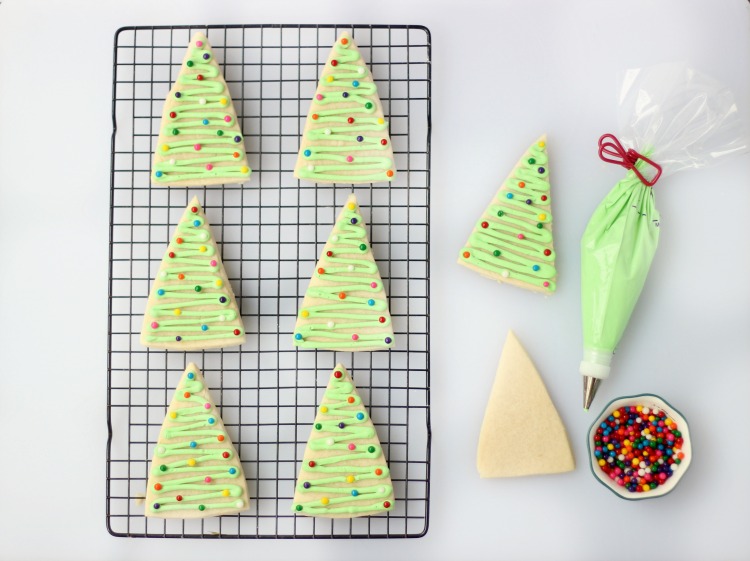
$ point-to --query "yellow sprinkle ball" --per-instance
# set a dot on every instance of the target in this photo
(304, 314)
(616, 414)
(351, 206)
(177, 311)
(602, 462)
(202, 249)
(610, 447)
(244, 169)
(164, 147)
(541, 144)
(323, 409)
(639, 408)
(191, 462)
(646, 488)
(173, 415)
(324, 501)
(329, 78)
(225, 492)
(381, 120)
(223, 101)
(542, 217)
(350, 479)
(219, 282)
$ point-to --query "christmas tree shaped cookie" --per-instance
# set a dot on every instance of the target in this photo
(345, 307)
(191, 305)
(522, 433)
(512, 241)
(344, 473)
(346, 135)
(195, 471)
(200, 141)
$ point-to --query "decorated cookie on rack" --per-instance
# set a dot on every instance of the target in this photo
(345, 307)
(522, 433)
(346, 134)
(344, 473)
(512, 240)
(195, 471)
(191, 305)
(200, 140)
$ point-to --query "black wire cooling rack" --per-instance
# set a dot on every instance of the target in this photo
(270, 232)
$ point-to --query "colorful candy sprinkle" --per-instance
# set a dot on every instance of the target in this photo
(638, 448)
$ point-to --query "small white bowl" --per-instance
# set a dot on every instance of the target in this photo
(651, 401)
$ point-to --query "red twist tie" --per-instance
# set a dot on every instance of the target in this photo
(612, 152)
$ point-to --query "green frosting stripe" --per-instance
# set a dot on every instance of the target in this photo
(192, 433)
(512, 238)
(203, 110)
(191, 282)
(352, 488)
(337, 323)
(340, 133)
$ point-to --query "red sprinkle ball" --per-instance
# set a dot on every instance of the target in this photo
(639, 448)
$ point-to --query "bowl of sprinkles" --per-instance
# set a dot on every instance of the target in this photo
(639, 447)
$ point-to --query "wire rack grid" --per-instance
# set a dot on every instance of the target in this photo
(270, 232)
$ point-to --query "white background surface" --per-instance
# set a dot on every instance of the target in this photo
(504, 72)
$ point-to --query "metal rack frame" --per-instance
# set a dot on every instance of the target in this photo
(270, 232)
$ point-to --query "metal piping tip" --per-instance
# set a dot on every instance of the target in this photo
(590, 385)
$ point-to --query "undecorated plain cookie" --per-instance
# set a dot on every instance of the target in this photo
(522, 433)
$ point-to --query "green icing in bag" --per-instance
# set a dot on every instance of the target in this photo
(616, 253)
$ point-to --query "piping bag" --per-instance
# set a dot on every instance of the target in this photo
(671, 118)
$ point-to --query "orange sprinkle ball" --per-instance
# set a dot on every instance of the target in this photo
(220, 438)
(350, 399)
(315, 116)
(342, 295)
(181, 276)
(521, 184)
(638, 448)
(466, 254)
(344, 41)
(321, 270)
(186, 394)
(157, 486)
(389, 173)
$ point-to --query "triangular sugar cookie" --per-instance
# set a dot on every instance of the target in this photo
(196, 471)
(346, 135)
(522, 433)
(191, 305)
(512, 241)
(345, 307)
(344, 473)
(200, 140)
